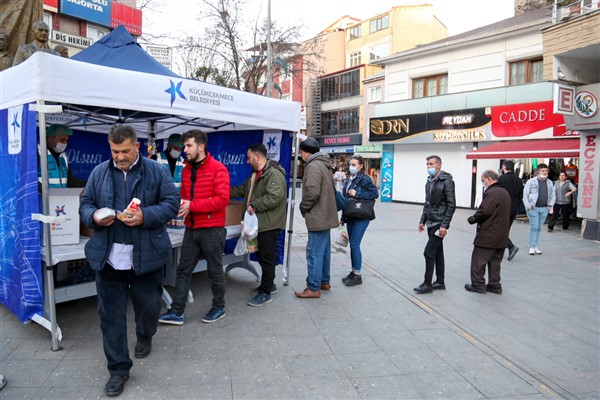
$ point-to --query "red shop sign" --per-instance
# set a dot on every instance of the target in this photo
(130, 18)
(519, 120)
(51, 3)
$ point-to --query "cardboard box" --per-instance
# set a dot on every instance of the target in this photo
(64, 203)
(234, 213)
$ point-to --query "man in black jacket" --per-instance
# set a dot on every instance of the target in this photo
(511, 182)
(438, 210)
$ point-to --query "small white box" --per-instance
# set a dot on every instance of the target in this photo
(64, 203)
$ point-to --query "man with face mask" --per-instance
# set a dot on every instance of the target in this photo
(538, 199)
(493, 224)
(59, 173)
(438, 210)
(171, 158)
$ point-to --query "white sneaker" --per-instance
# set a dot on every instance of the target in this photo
(537, 251)
(531, 251)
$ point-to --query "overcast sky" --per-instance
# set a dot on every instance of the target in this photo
(180, 17)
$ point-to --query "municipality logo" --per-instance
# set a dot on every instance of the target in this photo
(174, 91)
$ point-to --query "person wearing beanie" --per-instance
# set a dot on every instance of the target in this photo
(320, 212)
(60, 174)
(171, 158)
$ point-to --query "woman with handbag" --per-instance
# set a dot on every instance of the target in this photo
(358, 212)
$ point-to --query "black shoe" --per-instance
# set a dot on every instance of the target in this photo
(115, 385)
(438, 286)
(494, 289)
(356, 279)
(143, 349)
(471, 288)
(423, 288)
(349, 276)
(512, 252)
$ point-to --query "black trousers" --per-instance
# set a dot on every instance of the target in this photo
(434, 256)
(207, 243)
(565, 211)
(511, 220)
(482, 257)
(267, 258)
(114, 287)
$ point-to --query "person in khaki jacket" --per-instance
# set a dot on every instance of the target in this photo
(264, 194)
(319, 210)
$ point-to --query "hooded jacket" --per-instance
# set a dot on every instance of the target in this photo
(318, 198)
(440, 202)
(268, 196)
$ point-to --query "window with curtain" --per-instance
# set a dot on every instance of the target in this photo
(430, 86)
(526, 71)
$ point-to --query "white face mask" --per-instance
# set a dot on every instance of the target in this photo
(543, 176)
(60, 147)
(174, 153)
(353, 170)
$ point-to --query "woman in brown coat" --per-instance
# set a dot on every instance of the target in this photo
(493, 224)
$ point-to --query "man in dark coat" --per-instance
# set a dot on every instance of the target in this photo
(493, 223)
(513, 184)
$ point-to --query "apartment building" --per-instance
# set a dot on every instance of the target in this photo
(79, 24)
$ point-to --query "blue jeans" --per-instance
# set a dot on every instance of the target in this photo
(356, 231)
(537, 216)
(318, 259)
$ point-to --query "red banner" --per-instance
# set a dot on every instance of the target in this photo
(519, 120)
(51, 3)
(130, 18)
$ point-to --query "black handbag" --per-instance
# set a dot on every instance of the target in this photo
(360, 209)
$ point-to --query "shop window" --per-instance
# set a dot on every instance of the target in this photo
(350, 84)
(374, 94)
(526, 71)
(340, 122)
(430, 86)
(380, 23)
(355, 58)
(355, 32)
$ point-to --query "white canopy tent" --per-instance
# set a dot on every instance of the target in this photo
(154, 104)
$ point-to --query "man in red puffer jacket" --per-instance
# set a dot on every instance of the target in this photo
(204, 198)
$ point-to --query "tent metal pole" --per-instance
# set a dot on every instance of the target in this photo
(49, 286)
(292, 205)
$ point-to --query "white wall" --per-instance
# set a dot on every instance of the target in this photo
(473, 66)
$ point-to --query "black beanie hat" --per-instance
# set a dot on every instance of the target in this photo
(310, 145)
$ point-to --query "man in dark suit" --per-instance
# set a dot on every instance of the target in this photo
(511, 182)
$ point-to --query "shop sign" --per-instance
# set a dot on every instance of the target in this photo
(374, 148)
(587, 205)
(563, 99)
(446, 126)
(163, 55)
(586, 115)
(129, 17)
(586, 104)
(520, 120)
(51, 3)
(97, 11)
(339, 140)
(71, 40)
(387, 173)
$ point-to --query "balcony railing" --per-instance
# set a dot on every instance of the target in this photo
(573, 9)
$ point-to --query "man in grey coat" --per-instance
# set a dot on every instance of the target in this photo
(493, 224)
(319, 209)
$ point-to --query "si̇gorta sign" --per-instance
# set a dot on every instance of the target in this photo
(97, 11)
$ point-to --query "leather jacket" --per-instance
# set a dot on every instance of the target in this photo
(440, 202)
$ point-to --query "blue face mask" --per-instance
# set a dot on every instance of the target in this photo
(353, 170)
(431, 171)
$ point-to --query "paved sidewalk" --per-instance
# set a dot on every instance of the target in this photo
(538, 340)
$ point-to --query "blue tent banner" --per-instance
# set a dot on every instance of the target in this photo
(21, 285)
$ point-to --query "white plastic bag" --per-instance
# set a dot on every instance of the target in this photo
(250, 226)
(241, 247)
(342, 236)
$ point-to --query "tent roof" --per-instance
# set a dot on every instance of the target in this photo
(107, 95)
(119, 49)
(562, 148)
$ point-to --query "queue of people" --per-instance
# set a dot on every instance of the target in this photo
(129, 250)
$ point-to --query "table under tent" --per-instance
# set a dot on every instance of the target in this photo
(90, 99)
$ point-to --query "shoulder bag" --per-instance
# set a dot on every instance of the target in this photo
(360, 209)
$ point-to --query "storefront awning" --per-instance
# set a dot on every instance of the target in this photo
(552, 148)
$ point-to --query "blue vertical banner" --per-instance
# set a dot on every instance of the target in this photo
(21, 285)
(230, 148)
(387, 172)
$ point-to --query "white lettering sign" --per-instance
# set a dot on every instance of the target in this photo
(163, 55)
(75, 41)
